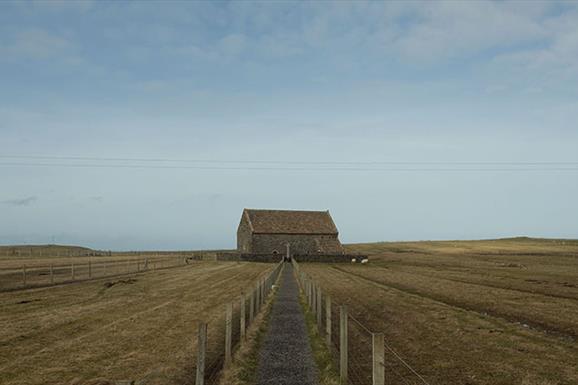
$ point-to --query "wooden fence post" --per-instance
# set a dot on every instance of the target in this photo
(269, 282)
(104, 268)
(328, 321)
(258, 288)
(24, 275)
(261, 292)
(72, 271)
(228, 333)
(311, 295)
(258, 300)
(378, 353)
(319, 309)
(343, 344)
(89, 268)
(51, 274)
(251, 306)
(243, 317)
(314, 299)
(201, 354)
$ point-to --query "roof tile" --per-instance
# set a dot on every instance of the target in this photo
(291, 222)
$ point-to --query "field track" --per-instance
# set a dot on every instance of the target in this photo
(571, 296)
(286, 358)
(544, 314)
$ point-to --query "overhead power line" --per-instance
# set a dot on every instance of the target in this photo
(276, 168)
(285, 165)
(290, 162)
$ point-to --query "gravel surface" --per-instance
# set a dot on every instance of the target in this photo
(286, 358)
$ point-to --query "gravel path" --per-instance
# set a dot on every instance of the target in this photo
(286, 358)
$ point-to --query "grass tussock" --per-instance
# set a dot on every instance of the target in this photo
(530, 380)
(328, 374)
(243, 370)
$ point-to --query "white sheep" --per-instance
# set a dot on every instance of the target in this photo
(353, 260)
(364, 260)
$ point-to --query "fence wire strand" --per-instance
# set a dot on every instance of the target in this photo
(360, 340)
(215, 338)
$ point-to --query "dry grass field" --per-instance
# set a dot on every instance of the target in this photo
(132, 327)
(481, 312)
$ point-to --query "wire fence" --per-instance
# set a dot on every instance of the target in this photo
(218, 340)
(214, 355)
(363, 356)
(23, 277)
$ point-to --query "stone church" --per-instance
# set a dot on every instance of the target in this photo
(269, 232)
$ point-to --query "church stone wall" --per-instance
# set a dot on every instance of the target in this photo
(244, 244)
(300, 244)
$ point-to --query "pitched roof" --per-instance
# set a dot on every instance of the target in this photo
(290, 222)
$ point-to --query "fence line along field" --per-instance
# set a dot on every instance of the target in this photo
(82, 268)
(14, 257)
(33, 266)
(117, 328)
(488, 312)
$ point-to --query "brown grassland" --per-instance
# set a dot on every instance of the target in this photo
(479, 312)
(131, 327)
(464, 312)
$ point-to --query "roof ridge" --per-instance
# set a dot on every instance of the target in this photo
(291, 210)
(270, 221)
(246, 213)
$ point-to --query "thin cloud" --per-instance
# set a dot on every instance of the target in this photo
(63, 5)
(20, 202)
(37, 44)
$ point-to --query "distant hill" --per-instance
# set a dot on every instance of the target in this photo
(38, 250)
(17, 251)
(502, 246)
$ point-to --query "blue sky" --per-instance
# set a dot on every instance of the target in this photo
(347, 84)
